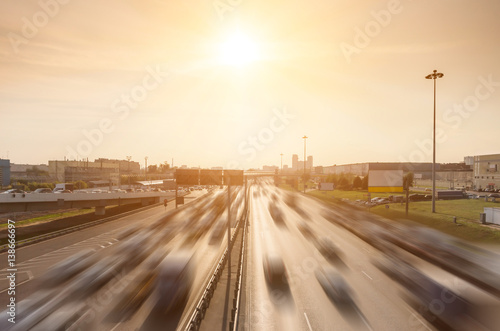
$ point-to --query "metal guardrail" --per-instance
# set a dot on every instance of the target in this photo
(202, 306)
(233, 325)
(200, 309)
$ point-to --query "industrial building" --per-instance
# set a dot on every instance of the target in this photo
(486, 171)
(4, 172)
(101, 170)
(449, 175)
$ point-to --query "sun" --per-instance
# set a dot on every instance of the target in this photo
(238, 50)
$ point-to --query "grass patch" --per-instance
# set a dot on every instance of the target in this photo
(466, 210)
(51, 217)
(351, 195)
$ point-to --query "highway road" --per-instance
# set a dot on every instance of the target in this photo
(300, 303)
(34, 260)
(117, 288)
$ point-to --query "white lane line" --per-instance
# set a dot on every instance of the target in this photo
(307, 320)
(30, 277)
(418, 319)
(366, 275)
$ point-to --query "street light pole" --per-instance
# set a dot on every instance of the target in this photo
(146, 168)
(281, 162)
(435, 75)
(128, 159)
(305, 137)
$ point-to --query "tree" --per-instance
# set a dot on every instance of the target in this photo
(80, 184)
(152, 169)
(357, 183)
(408, 180)
(343, 183)
(163, 167)
(364, 183)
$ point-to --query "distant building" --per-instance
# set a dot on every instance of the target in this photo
(487, 171)
(447, 174)
(318, 170)
(31, 172)
(309, 163)
(99, 170)
(4, 172)
(469, 161)
(124, 166)
(217, 168)
(269, 168)
(295, 162)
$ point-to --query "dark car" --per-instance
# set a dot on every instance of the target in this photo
(494, 197)
(334, 285)
(174, 280)
(274, 269)
(417, 197)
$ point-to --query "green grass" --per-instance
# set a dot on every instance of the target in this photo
(51, 217)
(466, 211)
(351, 195)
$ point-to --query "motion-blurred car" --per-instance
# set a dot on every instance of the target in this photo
(274, 269)
(67, 268)
(305, 229)
(328, 249)
(334, 285)
(276, 213)
(135, 293)
(73, 316)
(174, 281)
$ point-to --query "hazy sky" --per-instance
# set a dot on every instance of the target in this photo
(87, 78)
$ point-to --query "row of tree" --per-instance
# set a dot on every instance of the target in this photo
(352, 182)
(348, 181)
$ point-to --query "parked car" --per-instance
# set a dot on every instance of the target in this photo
(417, 197)
(13, 190)
(42, 190)
(63, 191)
(494, 196)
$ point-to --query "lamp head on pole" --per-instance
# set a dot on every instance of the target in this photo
(434, 75)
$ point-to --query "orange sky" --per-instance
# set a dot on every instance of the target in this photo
(144, 78)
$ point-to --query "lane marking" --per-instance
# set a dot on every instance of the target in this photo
(418, 319)
(30, 277)
(366, 275)
(307, 320)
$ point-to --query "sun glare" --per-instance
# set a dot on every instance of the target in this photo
(238, 50)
